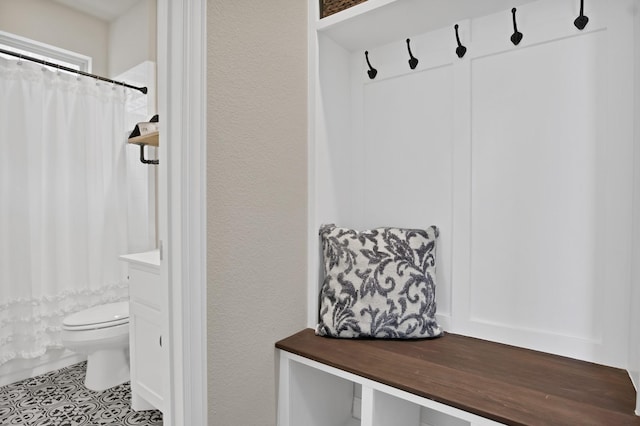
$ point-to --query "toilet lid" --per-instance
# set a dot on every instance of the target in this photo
(108, 315)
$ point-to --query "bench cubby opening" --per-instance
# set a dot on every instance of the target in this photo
(319, 399)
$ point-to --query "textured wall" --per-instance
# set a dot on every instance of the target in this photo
(132, 37)
(257, 132)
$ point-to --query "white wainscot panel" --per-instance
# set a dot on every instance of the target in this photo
(332, 144)
(406, 163)
(537, 191)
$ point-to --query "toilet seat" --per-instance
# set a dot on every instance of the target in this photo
(102, 316)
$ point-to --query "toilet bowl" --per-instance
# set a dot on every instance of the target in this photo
(101, 333)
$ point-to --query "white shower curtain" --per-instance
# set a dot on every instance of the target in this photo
(63, 202)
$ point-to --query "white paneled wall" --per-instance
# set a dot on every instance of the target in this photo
(537, 202)
(399, 114)
(522, 155)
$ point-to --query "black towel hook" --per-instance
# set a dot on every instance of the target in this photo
(581, 21)
(413, 61)
(516, 38)
(372, 71)
(460, 50)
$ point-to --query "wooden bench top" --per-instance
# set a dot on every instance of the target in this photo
(504, 383)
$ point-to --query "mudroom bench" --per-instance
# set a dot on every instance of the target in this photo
(451, 380)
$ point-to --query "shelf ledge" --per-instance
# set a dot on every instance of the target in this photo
(151, 139)
(378, 22)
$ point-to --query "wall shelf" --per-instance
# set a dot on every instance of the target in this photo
(151, 139)
(378, 22)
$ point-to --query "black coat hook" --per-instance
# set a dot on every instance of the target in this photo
(516, 38)
(581, 21)
(413, 62)
(372, 71)
(460, 50)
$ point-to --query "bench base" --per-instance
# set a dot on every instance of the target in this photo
(471, 381)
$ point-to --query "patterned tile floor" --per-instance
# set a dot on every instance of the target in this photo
(59, 398)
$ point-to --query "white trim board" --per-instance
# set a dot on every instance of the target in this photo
(182, 197)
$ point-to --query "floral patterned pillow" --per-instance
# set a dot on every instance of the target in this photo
(378, 283)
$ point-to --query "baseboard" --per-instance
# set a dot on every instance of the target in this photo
(20, 369)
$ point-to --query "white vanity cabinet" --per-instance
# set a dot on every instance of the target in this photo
(145, 334)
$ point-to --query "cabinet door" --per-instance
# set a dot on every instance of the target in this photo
(146, 356)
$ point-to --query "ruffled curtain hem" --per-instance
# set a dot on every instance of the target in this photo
(29, 327)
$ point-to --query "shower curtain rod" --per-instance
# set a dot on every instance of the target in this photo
(62, 67)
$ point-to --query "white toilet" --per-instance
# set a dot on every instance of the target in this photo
(102, 333)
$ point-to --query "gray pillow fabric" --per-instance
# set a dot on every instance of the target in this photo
(378, 283)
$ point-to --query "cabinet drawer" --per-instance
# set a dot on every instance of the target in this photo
(144, 287)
